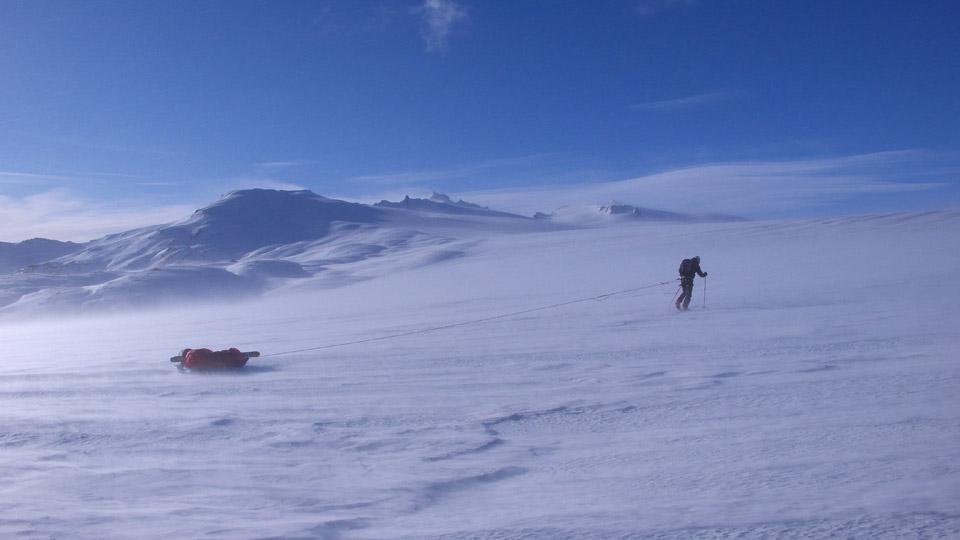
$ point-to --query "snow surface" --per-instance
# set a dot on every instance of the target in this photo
(815, 397)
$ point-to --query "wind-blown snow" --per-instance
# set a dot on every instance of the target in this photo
(237, 224)
(615, 211)
(816, 396)
(248, 243)
(257, 241)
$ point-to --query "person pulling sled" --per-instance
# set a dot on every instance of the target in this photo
(688, 269)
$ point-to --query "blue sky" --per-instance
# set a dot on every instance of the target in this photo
(117, 114)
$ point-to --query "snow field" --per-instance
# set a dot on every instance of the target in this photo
(816, 396)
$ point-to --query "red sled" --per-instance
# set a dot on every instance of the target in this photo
(197, 359)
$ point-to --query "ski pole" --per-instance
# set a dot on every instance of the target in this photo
(704, 292)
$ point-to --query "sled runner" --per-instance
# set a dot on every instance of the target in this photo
(198, 359)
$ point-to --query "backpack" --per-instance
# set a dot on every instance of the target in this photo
(686, 267)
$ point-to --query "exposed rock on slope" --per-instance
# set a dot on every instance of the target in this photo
(440, 203)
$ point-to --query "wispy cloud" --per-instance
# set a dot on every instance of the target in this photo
(411, 177)
(748, 188)
(91, 144)
(529, 170)
(439, 19)
(488, 167)
(62, 215)
(687, 102)
(293, 163)
(262, 183)
(59, 212)
(23, 177)
(116, 175)
(17, 177)
(753, 189)
(158, 183)
(646, 8)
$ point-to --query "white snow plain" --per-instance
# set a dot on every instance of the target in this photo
(816, 396)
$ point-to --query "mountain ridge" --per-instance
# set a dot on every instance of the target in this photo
(17, 255)
(441, 203)
(250, 242)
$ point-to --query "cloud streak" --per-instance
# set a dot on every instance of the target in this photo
(751, 189)
(22, 177)
(686, 102)
(263, 183)
(748, 188)
(289, 164)
(61, 215)
(439, 19)
(485, 168)
(15, 177)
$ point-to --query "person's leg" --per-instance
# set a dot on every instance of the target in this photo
(683, 292)
(687, 294)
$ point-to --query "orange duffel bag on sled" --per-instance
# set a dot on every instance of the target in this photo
(207, 359)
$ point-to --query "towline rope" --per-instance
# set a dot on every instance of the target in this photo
(472, 321)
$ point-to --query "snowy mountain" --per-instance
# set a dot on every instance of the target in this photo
(237, 224)
(259, 241)
(14, 256)
(246, 243)
(443, 204)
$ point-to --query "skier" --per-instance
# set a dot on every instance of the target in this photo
(688, 269)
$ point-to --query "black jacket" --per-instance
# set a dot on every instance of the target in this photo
(693, 268)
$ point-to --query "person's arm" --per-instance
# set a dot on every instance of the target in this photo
(700, 272)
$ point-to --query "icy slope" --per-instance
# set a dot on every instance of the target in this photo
(815, 397)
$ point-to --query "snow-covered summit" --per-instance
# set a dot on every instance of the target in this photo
(442, 203)
(238, 223)
(250, 219)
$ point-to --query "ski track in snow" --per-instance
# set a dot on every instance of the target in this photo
(816, 397)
